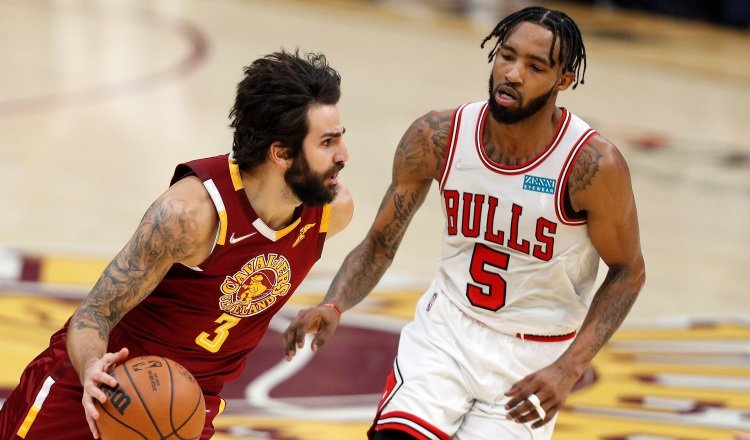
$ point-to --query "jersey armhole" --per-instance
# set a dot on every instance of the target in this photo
(568, 211)
(563, 205)
(181, 171)
(221, 211)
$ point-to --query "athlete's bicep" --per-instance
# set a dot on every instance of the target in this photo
(601, 186)
(417, 161)
(174, 229)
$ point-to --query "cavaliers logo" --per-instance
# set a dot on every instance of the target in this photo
(255, 287)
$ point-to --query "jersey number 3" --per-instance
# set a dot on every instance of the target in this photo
(489, 290)
(213, 344)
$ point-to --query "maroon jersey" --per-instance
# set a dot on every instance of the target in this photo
(209, 317)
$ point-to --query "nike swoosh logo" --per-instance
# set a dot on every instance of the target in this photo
(233, 239)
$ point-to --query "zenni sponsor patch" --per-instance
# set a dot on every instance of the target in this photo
(539, 184)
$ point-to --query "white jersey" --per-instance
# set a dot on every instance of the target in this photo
(512, 258)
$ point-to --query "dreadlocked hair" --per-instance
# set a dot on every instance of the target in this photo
(563, 28)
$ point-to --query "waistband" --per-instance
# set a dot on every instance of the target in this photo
(519, 335)
(551, 338)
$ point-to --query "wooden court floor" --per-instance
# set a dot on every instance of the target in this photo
(99, 100)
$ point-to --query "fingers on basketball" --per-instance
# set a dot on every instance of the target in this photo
(156, 398)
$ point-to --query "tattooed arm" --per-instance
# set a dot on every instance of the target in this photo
(178, 227)
(600, 186)
(418, 160)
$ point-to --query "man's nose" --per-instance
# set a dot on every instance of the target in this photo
(342, 155)
(514, 75)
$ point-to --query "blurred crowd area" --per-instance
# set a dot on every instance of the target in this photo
(732, 13)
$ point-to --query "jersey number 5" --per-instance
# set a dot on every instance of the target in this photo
(489, 292)
(222, 331)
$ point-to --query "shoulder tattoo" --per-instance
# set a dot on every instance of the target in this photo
(441, 125)
(586, 167)
(422, 148)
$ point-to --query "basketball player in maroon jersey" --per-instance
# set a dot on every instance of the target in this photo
(533, 199)
(213, 259)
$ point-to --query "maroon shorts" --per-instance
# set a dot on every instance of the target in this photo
(46, 404)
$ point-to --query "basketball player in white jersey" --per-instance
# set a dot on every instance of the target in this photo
(533, 199)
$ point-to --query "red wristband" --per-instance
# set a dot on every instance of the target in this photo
(332, 306)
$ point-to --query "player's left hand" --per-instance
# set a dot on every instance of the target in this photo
(551, 385)
(320, 320)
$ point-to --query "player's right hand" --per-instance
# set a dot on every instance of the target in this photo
(320, 320)
(96, 374)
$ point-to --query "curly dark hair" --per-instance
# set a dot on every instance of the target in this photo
(272, 102)
(563, 28)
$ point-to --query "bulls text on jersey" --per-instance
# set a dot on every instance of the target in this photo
(465, 212)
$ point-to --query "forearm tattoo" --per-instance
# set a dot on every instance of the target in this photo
(358, 275)
(404, 206)
(610, 305)
(418, 160)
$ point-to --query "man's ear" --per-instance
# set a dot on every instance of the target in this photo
(280, 154)
(566, 79)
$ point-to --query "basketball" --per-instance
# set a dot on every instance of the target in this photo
(156, 398)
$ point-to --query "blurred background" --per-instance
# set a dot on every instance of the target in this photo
(99, 100)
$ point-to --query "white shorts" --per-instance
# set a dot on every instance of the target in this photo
(451, 373)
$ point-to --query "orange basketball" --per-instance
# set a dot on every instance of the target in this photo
(156, 398)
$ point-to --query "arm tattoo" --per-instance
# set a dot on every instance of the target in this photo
(419, 154)
(359, 273)
(413, 152)
(423, 146)
(364, 266)
(404, 207)
(611, 304)
(163, 236)
(418, 160)
(585, 169)
(440, 127)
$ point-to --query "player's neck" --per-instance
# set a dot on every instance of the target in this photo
(515, 144)
(270, 197)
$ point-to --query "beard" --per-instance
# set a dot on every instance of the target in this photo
(505, 115)
(307, 185)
